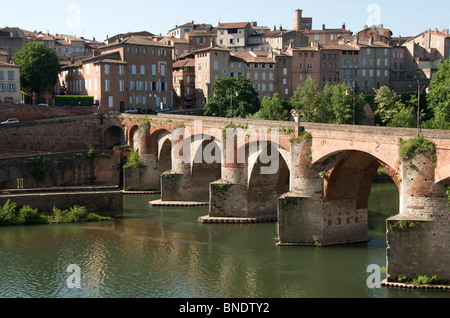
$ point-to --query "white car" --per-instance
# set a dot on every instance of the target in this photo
(10, 121)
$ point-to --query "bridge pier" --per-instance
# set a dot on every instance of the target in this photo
(419, 238)
(310, 215)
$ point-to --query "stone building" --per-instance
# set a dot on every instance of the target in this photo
(426, 51)
(184, 82)
(210, 64)
(234, 35)
(11, 41)
(9, 80)
(132, 72)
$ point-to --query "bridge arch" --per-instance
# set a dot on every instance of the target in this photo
(134, 137)
(113, 136)
(350, 175)
(206, 165)
(267, 181)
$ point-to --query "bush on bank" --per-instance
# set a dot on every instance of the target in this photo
(11, 215)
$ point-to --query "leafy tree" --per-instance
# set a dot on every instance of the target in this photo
(39, 67)
(388, 103)
(272, 108)
(310, 103)
(344, 105)
(439, 97)
(405, 117)
(232, 97)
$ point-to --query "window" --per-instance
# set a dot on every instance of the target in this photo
(142, 70)
(121, 70)
(163, 69)
(199, 66)
(111, 101)
(368, 51)
(300, 65)
(1, 75)
(121, 86)
(216, 65)
(133, 69)
(107, 86)
(11, 75)
(310, 65)
(153, 70)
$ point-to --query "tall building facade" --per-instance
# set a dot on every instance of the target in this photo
(132, 72)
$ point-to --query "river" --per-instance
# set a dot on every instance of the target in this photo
(158, 252)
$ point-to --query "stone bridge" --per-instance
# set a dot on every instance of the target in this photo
(314, 179)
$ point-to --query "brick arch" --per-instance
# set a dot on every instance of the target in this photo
(133, 137)
(351, 176)
(265, 189)
(113, 136)
(151, 143)
(388, 152)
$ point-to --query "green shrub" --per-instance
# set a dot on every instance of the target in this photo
(74, 100)
(8, 214)
(28, 215)
(134, 160)
(415, 146)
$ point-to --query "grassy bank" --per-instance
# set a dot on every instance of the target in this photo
(11, 215)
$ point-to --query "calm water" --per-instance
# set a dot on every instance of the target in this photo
(166, 253)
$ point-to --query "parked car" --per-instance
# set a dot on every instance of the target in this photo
(11, 121)
(162, 110)
(45, 105)
(132, 111)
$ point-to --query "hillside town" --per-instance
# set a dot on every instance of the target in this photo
(177, 71)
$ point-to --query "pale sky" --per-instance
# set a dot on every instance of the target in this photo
(101, 18)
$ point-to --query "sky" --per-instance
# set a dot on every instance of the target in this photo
(99, 19)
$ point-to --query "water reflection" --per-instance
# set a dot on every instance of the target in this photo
(165, 252)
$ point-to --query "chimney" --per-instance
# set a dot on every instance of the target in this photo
(298, 19)
(445, 31)
(343, 26)
(323, 26)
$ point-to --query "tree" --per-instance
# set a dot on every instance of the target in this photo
(232, 97)
(272, 108)
(439, 97)
(310, 103)
(39, 67)
(405, 117)
(388, 103)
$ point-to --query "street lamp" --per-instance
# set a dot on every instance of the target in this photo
(354, 102)
(419, 119)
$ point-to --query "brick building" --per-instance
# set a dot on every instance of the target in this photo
(184, 82)
(9, 80)
(132, 72)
